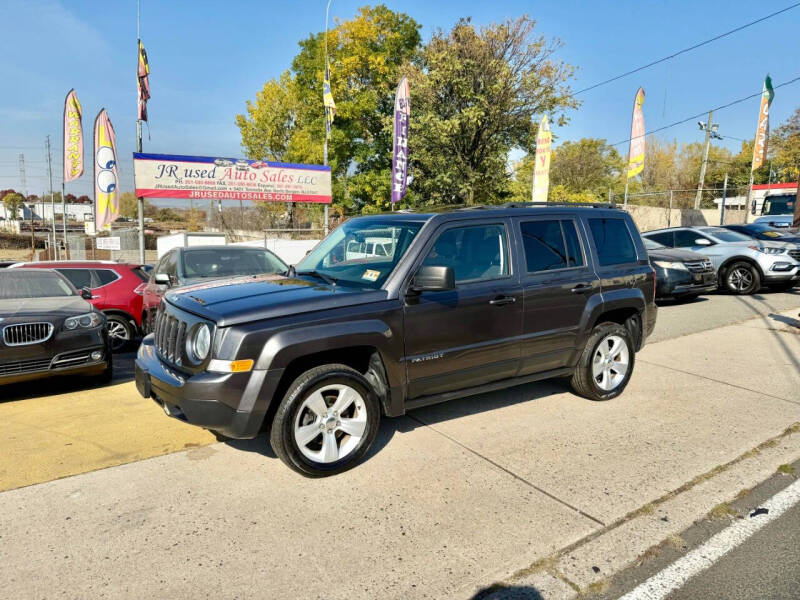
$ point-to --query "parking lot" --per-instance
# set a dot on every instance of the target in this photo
(453, 498)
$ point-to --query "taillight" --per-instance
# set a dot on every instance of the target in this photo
(140, 289)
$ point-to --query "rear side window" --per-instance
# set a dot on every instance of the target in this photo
(80, 278)
(105, 276)
(550, 245)
(140, 273)
(613, 241)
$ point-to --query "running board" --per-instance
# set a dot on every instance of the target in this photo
(486, 388)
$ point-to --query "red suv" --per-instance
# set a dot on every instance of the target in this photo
(117, 290)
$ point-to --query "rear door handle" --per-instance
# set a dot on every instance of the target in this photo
(502, 300)
(581, 288)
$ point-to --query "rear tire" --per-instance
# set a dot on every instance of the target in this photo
(120, 332)
(326, 422)
(742, 278)
(606, 364)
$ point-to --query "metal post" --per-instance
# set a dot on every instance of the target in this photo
(325, 146)
(724, 195)
(748, 208)
(52, 199)
(669, 214)
(699, 196)
(64, 219)
(139, 201)
(625, 202)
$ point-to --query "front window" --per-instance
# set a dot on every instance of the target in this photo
(229, 262)
(725, 235)
(29, 284)
(779, 205)
(475, 252)
(361, 252)
(653, 245)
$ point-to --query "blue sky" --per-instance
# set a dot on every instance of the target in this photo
(208, 57)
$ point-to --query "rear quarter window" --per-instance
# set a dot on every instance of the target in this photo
(105, 276)
(613, 241)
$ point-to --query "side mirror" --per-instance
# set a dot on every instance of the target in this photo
(433, 278)
(86, 293)
(162, 279)
(702, 242)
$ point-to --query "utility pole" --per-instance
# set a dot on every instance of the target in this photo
(52, 199)
(724, 195)
(139, 201)
(711, 132)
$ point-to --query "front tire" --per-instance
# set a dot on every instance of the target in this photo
(326, 422)
(742, 278)
(606, 364)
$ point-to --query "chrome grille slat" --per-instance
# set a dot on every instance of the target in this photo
(699, 266)
(795, 254)
(24, 334)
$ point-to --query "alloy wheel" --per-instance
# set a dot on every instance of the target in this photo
(330, 423)
(610, 362)
(740, 279)
(118, 334)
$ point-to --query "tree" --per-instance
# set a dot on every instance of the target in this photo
(286, 120)
(785, 142)
(588, 165)
(128, 205)
(83, 199)
(13, 202)
(475, 94)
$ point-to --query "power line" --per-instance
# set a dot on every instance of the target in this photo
(689, 49)
(705, 112)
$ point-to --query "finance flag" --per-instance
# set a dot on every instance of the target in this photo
(541, 167)
(327, 100)
(143, 79)
(402, 113)
(636, 151)
(762, 130)
(106, 196)
(73, 138)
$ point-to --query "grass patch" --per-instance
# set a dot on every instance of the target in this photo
(593, 589)
(675, 541)
(722, 511)
(786, 469)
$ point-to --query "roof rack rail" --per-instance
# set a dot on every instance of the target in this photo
(571, 204)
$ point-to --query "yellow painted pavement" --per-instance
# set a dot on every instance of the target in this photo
(59, 427)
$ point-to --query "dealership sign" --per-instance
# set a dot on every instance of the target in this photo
(202, 177)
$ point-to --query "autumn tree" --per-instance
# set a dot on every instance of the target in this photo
(129, 205)
(785, 142)
(13, 201)
(476, 95)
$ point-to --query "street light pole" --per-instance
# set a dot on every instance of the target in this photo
(711, 132)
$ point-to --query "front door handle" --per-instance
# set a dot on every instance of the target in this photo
(581, 288)
(502, 300)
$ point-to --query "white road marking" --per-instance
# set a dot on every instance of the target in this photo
(701, 558)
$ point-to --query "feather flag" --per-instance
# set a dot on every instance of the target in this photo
(327, 100)
(73, 138)
(762, 130)
(541, 161)
(402, 114)
(106, 196)
(636, 152)
(143, 79)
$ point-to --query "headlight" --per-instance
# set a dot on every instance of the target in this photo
(198, 344)
(668, 264)
(86, 321)
(768, 249)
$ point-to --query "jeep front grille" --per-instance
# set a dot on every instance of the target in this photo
(23, 334)
(699, 266)
(170, 337)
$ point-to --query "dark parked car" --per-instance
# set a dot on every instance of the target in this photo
(680, 274)
(764, 231)
(48, 328)
(183, 266)
(459, 303)
(117, 290)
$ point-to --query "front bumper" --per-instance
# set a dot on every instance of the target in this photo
(75, 362)
(780, 271)
(674, 283)
(233, 404)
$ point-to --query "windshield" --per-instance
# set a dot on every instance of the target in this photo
(230, 262)
(779, 205)
(725, 235)
(33, 284)
(652, 245)
(361, 251)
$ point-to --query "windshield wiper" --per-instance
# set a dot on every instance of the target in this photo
(326, 278)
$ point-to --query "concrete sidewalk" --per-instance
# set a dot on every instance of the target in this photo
(454, 497)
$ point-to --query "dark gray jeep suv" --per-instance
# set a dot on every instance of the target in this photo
(393, 312)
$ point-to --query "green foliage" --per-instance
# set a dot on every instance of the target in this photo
(168, 214)
(785, 144)
(129, 205)
(475, 93)
(13, 202)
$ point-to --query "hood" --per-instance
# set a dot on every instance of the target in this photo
(675, 255)
(252, 298)
(43, 308)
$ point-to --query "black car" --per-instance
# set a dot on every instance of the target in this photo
(765, 231)
(48, 328)
(680, 274)
(454, 304)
